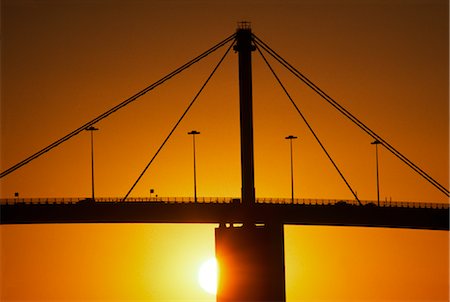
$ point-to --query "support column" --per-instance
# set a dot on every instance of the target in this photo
(250, 257)
(251, 263)
(244, 47)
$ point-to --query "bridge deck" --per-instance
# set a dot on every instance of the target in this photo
(332, 214)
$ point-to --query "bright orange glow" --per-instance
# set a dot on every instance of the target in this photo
(161, 262)
(207, 276)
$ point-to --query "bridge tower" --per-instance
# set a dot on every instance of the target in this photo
(251, 256)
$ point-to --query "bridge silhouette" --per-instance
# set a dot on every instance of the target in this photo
(412, 215)
(245, 220)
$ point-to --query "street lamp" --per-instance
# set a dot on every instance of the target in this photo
(290, 138)
(193, 133)
(92, 129)
(376, 143)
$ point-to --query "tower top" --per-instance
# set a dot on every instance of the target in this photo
(244, 25)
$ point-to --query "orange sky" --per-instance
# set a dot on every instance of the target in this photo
(65, 62)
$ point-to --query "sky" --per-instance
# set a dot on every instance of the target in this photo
(65, 62)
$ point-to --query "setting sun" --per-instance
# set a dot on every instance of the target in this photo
(207, 276)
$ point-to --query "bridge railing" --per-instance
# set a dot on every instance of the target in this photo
(74, 200)
(297, 201)
(41, 200)
(385, 203)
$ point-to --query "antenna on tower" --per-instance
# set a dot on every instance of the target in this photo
(244, 25)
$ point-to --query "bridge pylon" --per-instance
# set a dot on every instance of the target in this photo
(250, 256)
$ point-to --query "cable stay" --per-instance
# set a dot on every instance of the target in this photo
(179, 121)
(350, 116)
(119, 106)
(282, 61)
(308, 125)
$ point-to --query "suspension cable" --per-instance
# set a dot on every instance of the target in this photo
(117, 107)
(178, 122)
(350, 116)
(308, 125)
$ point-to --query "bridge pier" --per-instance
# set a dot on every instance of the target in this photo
(251, 263)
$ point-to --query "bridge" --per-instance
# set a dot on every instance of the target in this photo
(249, 227)
(413, 215)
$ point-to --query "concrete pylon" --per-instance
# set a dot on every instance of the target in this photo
(250, 257)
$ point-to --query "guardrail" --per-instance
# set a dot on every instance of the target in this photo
(383, 204)
(298, 201)
(74, 200)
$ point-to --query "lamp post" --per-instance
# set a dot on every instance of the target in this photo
(290, 138)
(193, 133)
(92, 129)
(376, 143)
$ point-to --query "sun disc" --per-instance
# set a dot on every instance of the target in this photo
(207, 276)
